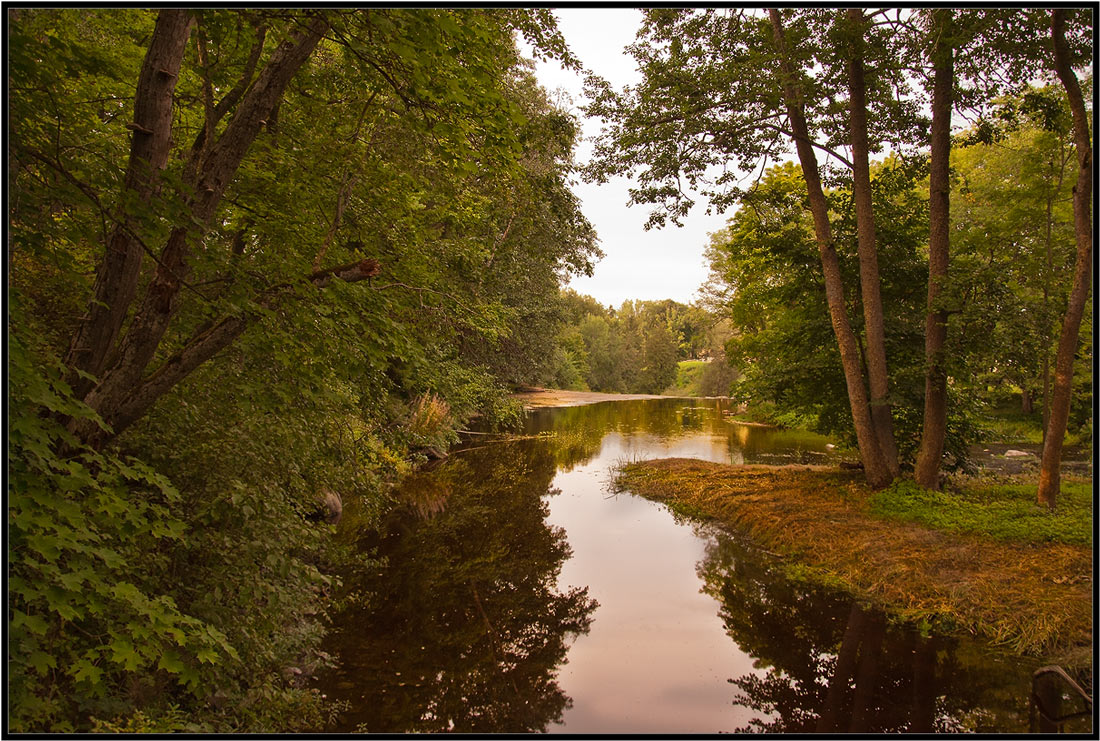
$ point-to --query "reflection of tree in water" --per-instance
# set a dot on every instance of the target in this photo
(466, 628)
(830, 665)
(667, 418)
(577, 432)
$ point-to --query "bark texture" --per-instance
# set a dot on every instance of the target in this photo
(870, 283)
(126, 389)
(1050, 471)
(874, 465)
(117, 276)
(202, 345)
(930, 456)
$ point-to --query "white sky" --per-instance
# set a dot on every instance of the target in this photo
(658, 264)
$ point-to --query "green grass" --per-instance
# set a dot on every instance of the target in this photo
(1003, 511)
(688, 375)
(1011, 430)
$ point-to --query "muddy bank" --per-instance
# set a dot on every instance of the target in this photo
(1031, 598)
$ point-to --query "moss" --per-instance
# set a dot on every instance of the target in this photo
(1020, 586)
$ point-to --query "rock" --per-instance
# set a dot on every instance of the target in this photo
(329, 508)
(1018, 454)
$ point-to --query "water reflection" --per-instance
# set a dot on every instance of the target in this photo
(578, 432)
(481, 597)
(826, 664)
(468, 627)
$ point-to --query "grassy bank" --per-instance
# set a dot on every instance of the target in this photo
(689, 374)
(982, 560)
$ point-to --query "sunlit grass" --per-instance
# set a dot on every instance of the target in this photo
(689, 373)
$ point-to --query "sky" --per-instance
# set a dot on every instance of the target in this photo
(658, 264)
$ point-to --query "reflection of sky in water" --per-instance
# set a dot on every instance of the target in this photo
(657, 658)
(661, 652)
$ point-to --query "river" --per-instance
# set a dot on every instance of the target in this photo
(513, 591)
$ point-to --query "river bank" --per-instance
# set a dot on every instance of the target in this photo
(540, 398)
(1030, 597)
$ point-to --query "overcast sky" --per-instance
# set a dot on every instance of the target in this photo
(658, 264)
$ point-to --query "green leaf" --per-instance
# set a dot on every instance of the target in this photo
(170, 662)
(33, 623)
(84, 670)
(122, 652)
(42, 662)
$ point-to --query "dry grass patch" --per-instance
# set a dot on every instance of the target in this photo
(1033, 598)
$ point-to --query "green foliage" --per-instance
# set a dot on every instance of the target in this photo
(1014, 250)
(1005, 511)
(90, 537)
(170, 580)
(688, 374)
(634, 349)
(765, 279)
(659, 350)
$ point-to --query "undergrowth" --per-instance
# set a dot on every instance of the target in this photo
(1003, 511)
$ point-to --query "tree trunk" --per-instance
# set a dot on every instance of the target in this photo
(1026, 404)
(118, 395)
(870, 283)
(1048, 332)
(117, 277)
(205, 343)
(1050, 474)
(930, 456)
(874, 465)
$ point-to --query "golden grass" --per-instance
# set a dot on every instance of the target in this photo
(1030, 598)
(430, 416)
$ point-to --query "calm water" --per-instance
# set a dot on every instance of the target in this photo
(512, 592)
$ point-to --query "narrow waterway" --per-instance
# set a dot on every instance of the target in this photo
(513, 591)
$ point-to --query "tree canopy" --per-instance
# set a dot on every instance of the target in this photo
(237, 233)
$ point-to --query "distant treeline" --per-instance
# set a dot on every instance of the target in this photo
(636, 348)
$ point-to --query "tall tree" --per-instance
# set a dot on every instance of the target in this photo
(870, 283)
(930, 455)
(139, 336)
(875, 464)
(1050, 473)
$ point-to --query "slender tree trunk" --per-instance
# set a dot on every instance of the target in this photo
(117, 276)
(874, 465)
(1047, 326)
(1050, 474)
(1046, 318)
(930, 456)
(870, 283)
(209, 173)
